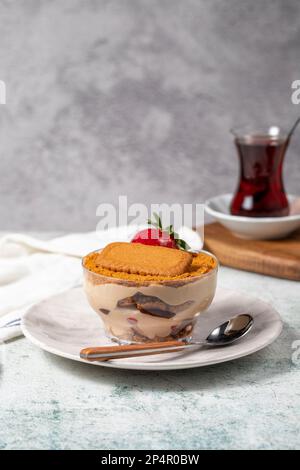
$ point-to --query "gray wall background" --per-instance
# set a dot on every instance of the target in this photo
(135, 97)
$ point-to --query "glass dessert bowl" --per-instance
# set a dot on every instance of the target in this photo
(143, 307)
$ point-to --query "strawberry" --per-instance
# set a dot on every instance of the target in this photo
(159, 236)
(154, 236)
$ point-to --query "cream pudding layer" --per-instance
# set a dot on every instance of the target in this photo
(133, 312)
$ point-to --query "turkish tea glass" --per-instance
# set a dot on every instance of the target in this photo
(260, 191)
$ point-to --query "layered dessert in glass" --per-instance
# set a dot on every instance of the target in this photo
(149, 293)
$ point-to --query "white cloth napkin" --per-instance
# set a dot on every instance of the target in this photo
(32, 270)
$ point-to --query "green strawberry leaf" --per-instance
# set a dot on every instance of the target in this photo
(183, 245)
(158, 220)
(169, 230)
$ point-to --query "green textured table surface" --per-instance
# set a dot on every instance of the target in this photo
(47, 402)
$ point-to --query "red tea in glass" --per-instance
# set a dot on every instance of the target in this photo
(260, 191)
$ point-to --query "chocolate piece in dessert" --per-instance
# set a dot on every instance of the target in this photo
(181, 332)
(186, 325)
(152, 305)
(127, 302)
(156, 312)
(104, 310)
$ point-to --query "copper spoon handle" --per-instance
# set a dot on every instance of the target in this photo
(130, 350)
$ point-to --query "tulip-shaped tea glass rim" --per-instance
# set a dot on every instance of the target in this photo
(250, 132)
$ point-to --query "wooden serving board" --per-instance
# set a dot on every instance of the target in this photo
(278, 258)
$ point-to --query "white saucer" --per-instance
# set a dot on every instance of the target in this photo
(65, 324)
(254, 228)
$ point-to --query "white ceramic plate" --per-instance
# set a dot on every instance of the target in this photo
(255, 228)
(65, 324)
